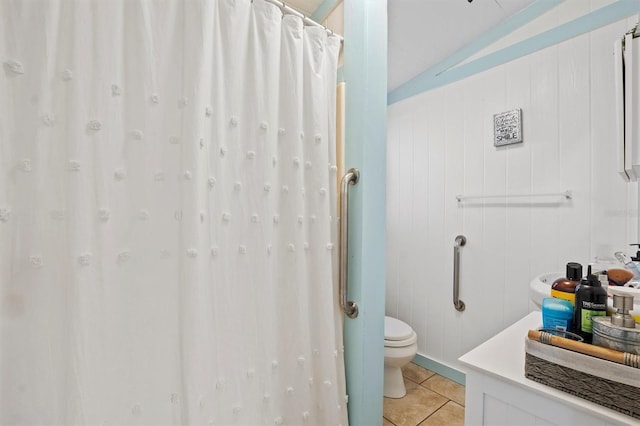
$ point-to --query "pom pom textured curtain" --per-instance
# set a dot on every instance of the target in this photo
(167, 215)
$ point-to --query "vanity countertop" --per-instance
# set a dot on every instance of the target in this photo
(500, 362)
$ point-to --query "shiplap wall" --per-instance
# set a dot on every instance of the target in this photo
(440, 144)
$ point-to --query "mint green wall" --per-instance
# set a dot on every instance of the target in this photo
(323, 10)
(365, 73)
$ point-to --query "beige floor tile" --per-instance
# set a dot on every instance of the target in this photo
(386, 422)
(416, 373)
(446, 387)
(417, 405)
(451, 414)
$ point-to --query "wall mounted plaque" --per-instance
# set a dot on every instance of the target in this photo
(507, 127)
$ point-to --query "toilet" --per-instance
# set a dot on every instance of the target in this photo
(400, 346)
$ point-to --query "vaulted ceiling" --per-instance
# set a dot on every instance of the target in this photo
(422, 33)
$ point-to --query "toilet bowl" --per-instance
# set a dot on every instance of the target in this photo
(400, 346)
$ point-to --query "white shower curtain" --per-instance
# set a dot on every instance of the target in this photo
(167, 215)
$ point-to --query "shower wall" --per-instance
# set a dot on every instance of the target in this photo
(440, 144)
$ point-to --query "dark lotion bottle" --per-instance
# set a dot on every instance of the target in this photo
(565, 288)
(591, 301)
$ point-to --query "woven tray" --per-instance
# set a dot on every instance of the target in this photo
(603, 382)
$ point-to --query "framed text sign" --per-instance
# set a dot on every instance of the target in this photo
(507, 127)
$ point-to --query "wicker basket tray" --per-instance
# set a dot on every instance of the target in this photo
(603, 382)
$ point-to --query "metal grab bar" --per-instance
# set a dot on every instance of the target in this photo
(459, 242)
(351, 178)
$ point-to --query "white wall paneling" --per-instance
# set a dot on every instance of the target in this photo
(518, 181)
(441, 144)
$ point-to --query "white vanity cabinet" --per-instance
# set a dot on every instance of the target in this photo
(498, 393)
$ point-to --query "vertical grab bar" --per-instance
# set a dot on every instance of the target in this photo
(350, 178)
(459, 242)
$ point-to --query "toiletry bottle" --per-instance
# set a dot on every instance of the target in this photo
(565, 288)
(591, 301)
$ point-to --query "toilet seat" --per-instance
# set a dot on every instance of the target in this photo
(398, 334)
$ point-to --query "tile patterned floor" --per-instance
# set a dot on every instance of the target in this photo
(431, 400)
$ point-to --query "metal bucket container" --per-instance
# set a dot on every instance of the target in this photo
(608, 335)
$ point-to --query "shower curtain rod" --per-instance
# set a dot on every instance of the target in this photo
(291, 11)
